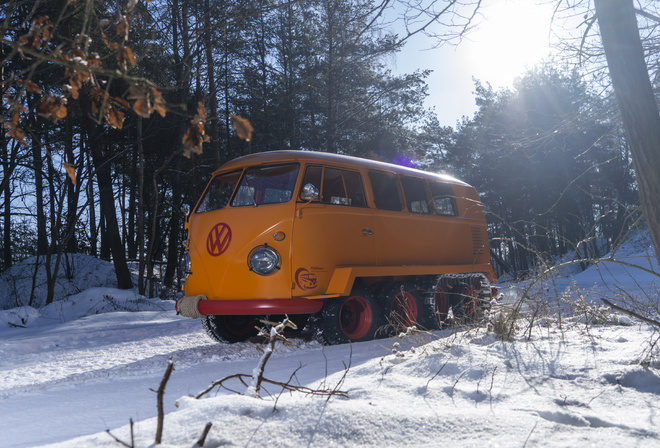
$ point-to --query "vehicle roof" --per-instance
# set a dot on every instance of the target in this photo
(269, 157)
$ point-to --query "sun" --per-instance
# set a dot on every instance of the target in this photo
(512, 36)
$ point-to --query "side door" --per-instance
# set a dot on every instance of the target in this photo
(332, 227)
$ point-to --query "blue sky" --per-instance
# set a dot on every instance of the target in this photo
(512, 35)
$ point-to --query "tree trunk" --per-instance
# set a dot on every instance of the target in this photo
(107, 203)
(213, 98)
(6, 192)
(634, 95)
(42, 239)
(72, 193)
(93, 233)
(106, 197)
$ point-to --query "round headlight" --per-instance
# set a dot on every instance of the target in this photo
(264, 260)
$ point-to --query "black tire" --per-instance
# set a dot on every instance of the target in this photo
(230, 328)
(405, 307)
(351, 318)
(466, 306)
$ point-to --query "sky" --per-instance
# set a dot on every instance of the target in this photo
(511, 36)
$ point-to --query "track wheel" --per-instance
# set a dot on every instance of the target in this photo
(349, 319)
(466, 308)
(405, 307)
(230, 328)
(441, 296)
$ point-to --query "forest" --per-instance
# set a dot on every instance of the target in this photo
(115, 114)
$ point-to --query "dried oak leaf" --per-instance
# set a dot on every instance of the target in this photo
(70, 171)
(17, 134)
(243, 127)
(141, 105)
(29, 86)
(158, 102)
(39, 32)
(147, 101)
(109, 107)
(126, 57)
(123, 27)
(195, 135)
(52, 107)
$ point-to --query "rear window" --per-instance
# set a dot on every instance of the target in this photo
(218, 192)
(386, 192)
(417, 199)
(266, 185)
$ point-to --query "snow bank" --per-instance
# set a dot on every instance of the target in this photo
(24, 284)
(89, 302)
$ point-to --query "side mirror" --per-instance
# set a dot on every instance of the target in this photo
(185, 209)
(310, 193)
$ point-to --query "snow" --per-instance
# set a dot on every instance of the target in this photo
(573, 374)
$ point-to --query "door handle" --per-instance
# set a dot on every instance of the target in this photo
(367, 231)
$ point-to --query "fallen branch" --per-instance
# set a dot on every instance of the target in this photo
(242, 377)
(655, 323)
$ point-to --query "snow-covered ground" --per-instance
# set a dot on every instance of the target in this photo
(580, 376)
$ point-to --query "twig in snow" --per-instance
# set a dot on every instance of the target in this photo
(436, 374)
(159, 400)
(335, 390)
(288, 382)
(530, 434)
(132, 445)
(655, 323)
(202, 440)
(273, 336)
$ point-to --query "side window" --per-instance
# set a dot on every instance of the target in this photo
(338, 187)
(312, 176)
(218, 192)
(333, 191)
(386, 193)
(443, 199)
(416, 196)
(354, 190)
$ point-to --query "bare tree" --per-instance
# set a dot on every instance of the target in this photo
(637, 103)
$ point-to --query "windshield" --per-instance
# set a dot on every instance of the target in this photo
(266, 185)
(218, 192)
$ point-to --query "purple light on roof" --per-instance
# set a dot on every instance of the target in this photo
(403, 160)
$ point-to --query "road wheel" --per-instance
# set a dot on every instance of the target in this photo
(230, 328)
(405, 307)
(349, 319)
(441, 296)
(466, 308)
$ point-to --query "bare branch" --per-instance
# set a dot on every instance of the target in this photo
(655, 323)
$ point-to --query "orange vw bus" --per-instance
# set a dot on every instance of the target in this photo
(360, 245)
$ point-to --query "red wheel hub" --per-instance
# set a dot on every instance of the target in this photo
(441, 302)
(471, 300)
(405, 310)
(355, 317)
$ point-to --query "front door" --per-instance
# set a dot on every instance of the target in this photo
(332, 227)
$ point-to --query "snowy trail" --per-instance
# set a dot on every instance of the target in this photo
(85, 376)
(93, 374)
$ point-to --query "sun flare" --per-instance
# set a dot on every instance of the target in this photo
(512, 37)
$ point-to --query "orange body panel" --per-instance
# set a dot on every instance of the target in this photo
(325, 244)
